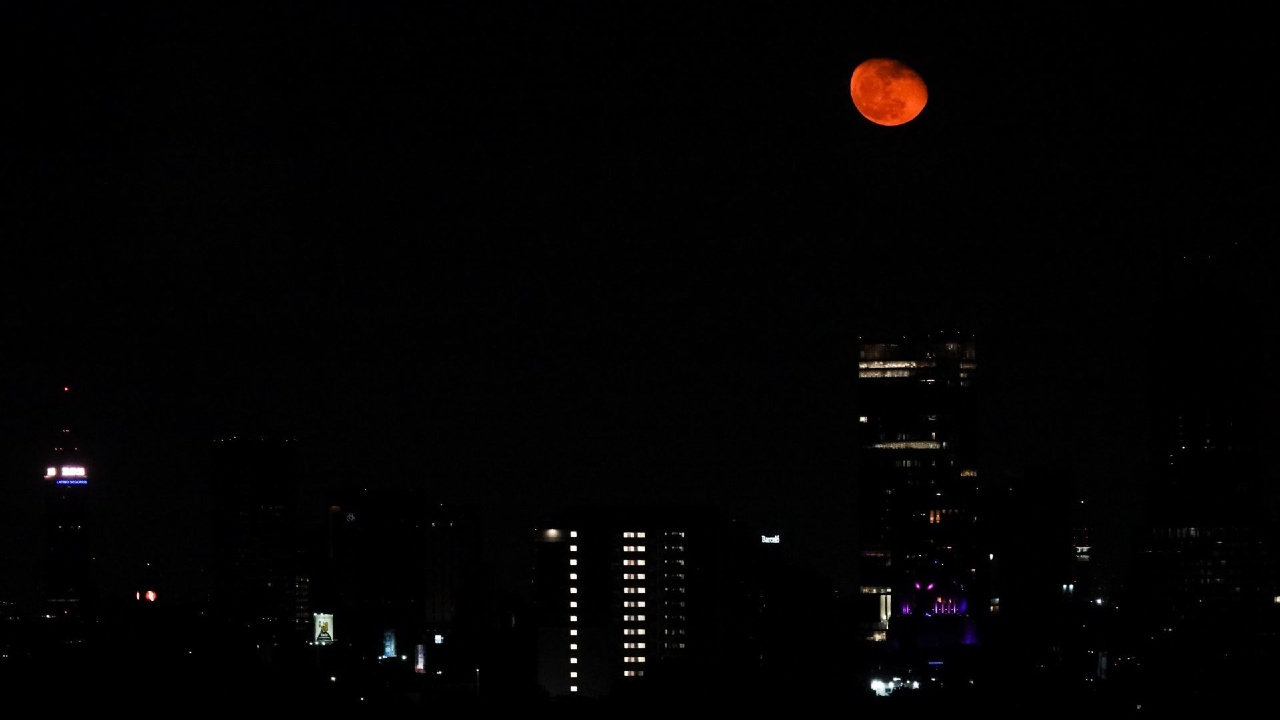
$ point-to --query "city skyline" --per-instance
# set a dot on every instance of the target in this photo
(535, 253)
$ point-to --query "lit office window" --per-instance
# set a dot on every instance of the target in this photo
(573, 661)
(573, 533)
(573, 631)
(573, 646)
(573, 576)
(573, 603)
(573, 548)
(573, 561)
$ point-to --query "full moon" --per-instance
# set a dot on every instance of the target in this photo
(887, 92)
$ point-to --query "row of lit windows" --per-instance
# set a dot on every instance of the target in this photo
(633, 548)
(625, 590)
(910, 445)
(935, 516)
(633, 603)
(633, 631)
(625, 618)
(633, 658)
(633, 645)
(886, 364)
(633, 562)
(633, 576)
(633, 535)
(885, 373)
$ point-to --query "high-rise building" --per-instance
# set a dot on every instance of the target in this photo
(260, 587)
(68, 578)
(923, 570)
(1207, 570)
(634, 602)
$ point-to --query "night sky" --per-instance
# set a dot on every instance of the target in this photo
(525, 253)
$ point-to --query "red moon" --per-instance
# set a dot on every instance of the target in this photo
(887, 92)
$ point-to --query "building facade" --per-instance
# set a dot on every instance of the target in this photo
(643, 603)
(923, 569)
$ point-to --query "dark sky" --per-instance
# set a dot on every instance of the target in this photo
(519, 251)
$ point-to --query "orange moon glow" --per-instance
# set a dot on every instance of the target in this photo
(887, 92)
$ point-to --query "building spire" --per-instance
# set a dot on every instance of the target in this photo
(65, 466)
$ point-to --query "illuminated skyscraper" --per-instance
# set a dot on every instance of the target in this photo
(922, 569)
(67, 580)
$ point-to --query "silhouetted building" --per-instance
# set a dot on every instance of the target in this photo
(404, 577)
(260, 587)
(1206, 572)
